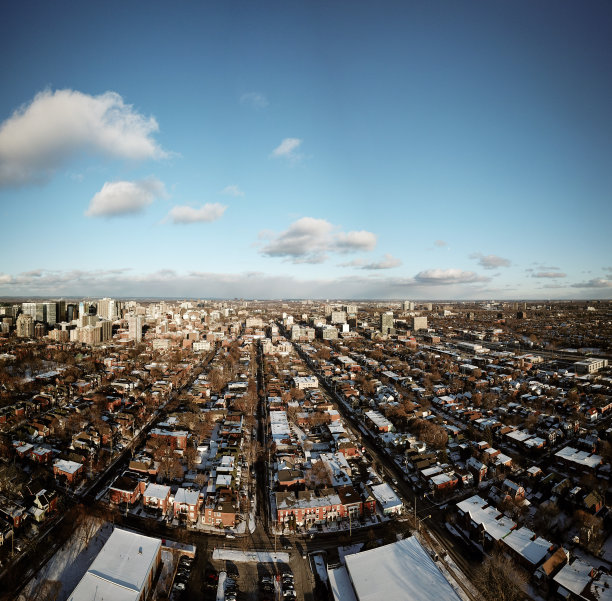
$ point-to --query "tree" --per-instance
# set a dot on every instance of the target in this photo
(500, 579)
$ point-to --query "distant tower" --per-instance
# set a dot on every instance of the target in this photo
(386, 323)
(25, 326)
(135, 325)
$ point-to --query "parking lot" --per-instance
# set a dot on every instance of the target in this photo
(250, 581)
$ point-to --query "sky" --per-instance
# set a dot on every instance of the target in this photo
(389, 150)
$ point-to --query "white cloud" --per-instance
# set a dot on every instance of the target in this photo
(308, 240)
(388, 262)
(287, 149)
(359, 240)
(548, 274)
(40, 137)
(5, 278)
(232, 190)
(125, 198)
(448, 276)
(490, 261)
(205, 214)
(255, 99)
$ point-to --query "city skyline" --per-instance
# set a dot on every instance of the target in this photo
(306, 151)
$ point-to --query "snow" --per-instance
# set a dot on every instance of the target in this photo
(344, 551)
(68, 467)
(250, 556)
(69, 563)
(320, 567)
(399, 571)
(341, 586)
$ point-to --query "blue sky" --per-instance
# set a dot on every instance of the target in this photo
(426, 150)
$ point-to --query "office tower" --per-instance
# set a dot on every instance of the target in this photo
(25, 326)
(50, 313)
(408, 306)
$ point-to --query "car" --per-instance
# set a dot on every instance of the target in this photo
(179, 586)
(289, 594)
(231, 596)
(286, 546)
(267, 587)
(266, 579)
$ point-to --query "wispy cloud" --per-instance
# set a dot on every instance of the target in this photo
(440, 243)
(232, 190)
(288, 149)
(490, 261)
(255, 99)
(387, 262)
(448, 276)
(308, 240)
(204, 214)
(40, 137)
(548, 274)
(125, 198)
(594, 283)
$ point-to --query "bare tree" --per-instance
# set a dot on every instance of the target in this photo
(500, 579)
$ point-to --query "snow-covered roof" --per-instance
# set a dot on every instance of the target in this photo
(121, 569)
(157, 491)
(68, 467)
(580, 457)
(386, 496)
(189, 497)
(522, 541)
(397, 572)
(575, 576)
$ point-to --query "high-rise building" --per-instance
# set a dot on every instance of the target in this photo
(419, 323)
(135, 327)
(338, 317)
(386, 323)
(408, 306)
(50, 313)
(25, 326)
(107, 309)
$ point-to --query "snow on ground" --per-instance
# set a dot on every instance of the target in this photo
(165, 579)
(250, 556)
(349, 550)
(71, 562)
(319, 564)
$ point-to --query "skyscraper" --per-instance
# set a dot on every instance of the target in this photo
(135, 327)
(25, 326)
(386, 323)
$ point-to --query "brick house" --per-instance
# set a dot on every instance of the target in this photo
(157, 496)
(126, 489)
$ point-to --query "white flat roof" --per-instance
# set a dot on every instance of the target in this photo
(120, 570)
(68, 467)
(402, 571)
